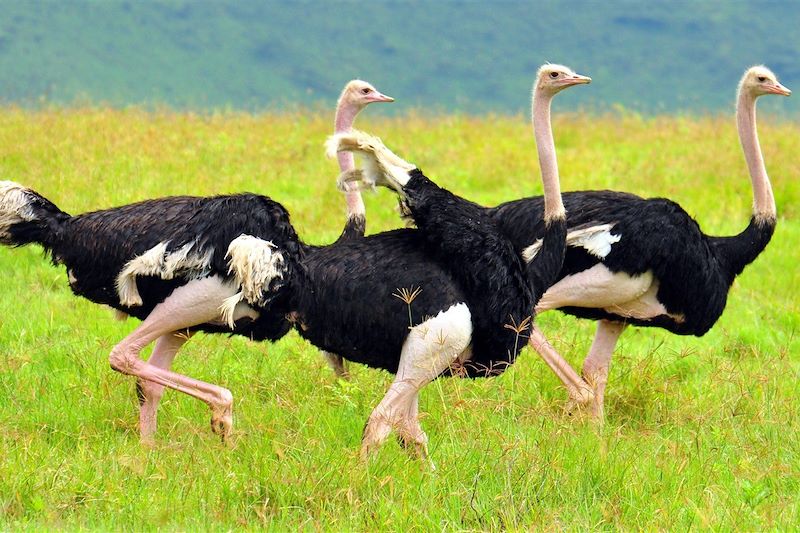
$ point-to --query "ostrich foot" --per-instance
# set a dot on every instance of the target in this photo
(337, 364)
(597, 380)
(579, 401)
(408, 430)
(222, 415)
(589, 405)
(412, 438)
(375, 433)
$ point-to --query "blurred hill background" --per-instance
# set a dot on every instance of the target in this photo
(467, 56)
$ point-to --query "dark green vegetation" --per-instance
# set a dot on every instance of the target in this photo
(700, 433)
(466, 56)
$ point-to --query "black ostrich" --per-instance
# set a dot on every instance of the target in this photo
(154, 258)
(451, 296)
(631, 260)
(548, 224)
(465, 290)
(645, 261)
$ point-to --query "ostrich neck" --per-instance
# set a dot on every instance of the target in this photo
(345, 117)
(763, 199)
(545, 146)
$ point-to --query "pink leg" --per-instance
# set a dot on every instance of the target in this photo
(428, 350)
(579, 391)
(596, 287)
(150, 393)
(597, 363)
(195, 303)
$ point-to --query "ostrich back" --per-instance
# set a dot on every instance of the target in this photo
(351, 301)
(656, 234)
(96, 246)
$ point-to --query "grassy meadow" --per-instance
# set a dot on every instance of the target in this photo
(700, 433)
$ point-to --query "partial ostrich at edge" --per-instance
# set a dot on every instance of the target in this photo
(645, 261)
(157, 259)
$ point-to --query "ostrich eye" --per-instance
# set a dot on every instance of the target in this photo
(554, 74)
(365, 90)
(762, 79)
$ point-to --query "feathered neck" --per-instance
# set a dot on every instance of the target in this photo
(764, 210)
(545, 146)
(346, 113)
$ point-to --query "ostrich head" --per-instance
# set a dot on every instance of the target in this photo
(552, 79)
(760, 80)
(358, 94)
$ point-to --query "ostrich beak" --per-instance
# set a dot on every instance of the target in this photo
(779, 89)
(577, 79)
(380, 97)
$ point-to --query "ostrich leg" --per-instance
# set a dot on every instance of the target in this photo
(337, 364)
(150, 393)
(596, 364)
(429, 349)
(197, 302)
(578, 390)
(595, 287)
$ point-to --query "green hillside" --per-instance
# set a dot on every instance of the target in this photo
(467, 56)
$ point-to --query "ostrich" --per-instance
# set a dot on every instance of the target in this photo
(464, 287)
(548, 224)
(637, 261)
(150, 258)
(355, 96)
(645, 261)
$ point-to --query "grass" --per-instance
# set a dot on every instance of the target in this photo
(700, 433)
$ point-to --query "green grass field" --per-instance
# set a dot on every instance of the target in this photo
(700, 433)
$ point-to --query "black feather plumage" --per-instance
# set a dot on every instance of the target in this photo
(354, 227)
(462, 236)
(96, 246)
(694, 270)
(343, 297)
(340, 297)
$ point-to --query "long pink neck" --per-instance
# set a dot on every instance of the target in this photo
(543, 133)
(763, 199)
(345, 117)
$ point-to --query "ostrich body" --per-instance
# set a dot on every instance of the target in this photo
(461, 273)
(645, 261)
(408, 301)
(150, 258)
(549, 222)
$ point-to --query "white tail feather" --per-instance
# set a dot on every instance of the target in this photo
(14, 206)
(254, 263)
(596, 240)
